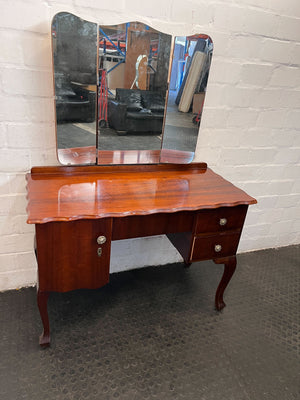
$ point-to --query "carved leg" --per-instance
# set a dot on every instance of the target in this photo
(229, 268)
(42, 300)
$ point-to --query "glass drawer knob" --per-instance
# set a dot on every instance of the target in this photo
(223, 221)
(218, 248)
(101, 239)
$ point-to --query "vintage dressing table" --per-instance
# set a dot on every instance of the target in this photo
(79, 209)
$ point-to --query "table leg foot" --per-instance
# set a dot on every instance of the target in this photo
(44, 340)
(42, 300)
(229, 268)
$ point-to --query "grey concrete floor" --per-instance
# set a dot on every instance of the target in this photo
(153, 333)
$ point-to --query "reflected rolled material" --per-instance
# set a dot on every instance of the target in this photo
(189, 75)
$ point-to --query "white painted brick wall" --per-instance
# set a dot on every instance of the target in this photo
(250, 124)
(286, 76)
(256, 74)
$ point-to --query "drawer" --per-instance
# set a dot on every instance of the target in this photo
(153, 224)
(215, 246)
(220, 219)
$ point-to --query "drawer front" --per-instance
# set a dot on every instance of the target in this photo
(153, 224)
(220, 219)
(215, 246)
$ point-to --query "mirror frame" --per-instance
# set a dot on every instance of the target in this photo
(92, 154)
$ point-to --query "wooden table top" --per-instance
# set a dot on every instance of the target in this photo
(72, 193)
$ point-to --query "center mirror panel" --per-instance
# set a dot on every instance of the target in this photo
(133, 69)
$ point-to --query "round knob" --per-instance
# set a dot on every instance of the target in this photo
(223, 221)
(101, 239)
(218, 248)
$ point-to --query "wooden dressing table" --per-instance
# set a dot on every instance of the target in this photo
(78, 211)
(135, 190)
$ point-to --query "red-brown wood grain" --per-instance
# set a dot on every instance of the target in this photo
(229, 268)
(203, 247)
(73, 206)
(67, 254)
(72, 193)
(209, 220)
(182, 241)
(152, 224)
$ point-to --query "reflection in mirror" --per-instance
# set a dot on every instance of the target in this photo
(133, 71)
(111, 86)
(189, 74)
(75, 79)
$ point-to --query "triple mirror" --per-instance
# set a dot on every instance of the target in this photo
(126, 93)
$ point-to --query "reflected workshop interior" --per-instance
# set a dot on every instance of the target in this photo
(126, 87)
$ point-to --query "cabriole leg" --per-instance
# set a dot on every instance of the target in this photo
(42, 300)
(229, 268)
